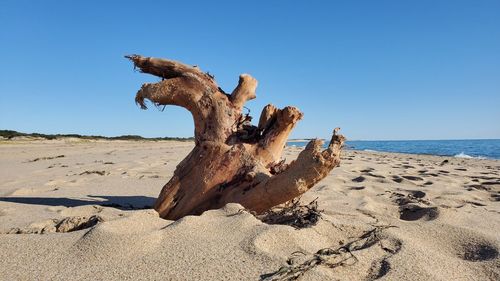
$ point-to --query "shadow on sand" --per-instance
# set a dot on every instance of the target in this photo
(119, 202)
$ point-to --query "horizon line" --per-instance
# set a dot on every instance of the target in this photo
(288, 140)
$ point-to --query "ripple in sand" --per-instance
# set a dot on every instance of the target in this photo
(477, 186)
(375, 175)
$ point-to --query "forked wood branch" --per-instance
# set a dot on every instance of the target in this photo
(233, 161)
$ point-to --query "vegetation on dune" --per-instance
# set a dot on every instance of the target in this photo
(9, 134)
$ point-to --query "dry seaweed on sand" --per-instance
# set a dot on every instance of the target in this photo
(100, 173)
(46, 158)
(293, 214)
(330, 257)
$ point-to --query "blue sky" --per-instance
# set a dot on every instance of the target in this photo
(379, 69)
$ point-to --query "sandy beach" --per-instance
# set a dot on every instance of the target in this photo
(74, 209)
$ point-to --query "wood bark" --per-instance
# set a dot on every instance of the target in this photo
(233, 160)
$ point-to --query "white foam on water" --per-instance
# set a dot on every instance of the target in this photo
(370, 150)
(463, 155)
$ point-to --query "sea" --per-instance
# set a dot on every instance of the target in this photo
(479, 149)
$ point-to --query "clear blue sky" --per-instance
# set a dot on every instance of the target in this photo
(424, 69)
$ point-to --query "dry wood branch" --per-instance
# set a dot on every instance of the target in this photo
(180, 91)
(245, 90)
(311, 166)
(280, 125)
(164, 68)
(267, 117)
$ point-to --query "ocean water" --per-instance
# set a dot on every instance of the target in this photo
(481, 149)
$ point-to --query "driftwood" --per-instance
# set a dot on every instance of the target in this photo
(233, 160)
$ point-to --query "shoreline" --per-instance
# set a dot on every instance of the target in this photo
(423, 154)
(460, 155)
(30, 140)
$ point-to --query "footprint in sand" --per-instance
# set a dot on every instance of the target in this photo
(378, 269)
(375, 175)
(413, 178)
(495, 197)
(477, 252)
(359, 179)
(413, 207)
(367, 170)
(397, 179)
(413, 212)
(471, 187)
(477, 204)
(417, 193)
(381, 267)
(491, 183)
(356, 188)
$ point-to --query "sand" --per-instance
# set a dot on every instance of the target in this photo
(73, 209)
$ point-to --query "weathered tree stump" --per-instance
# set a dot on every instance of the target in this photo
(232, 161)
